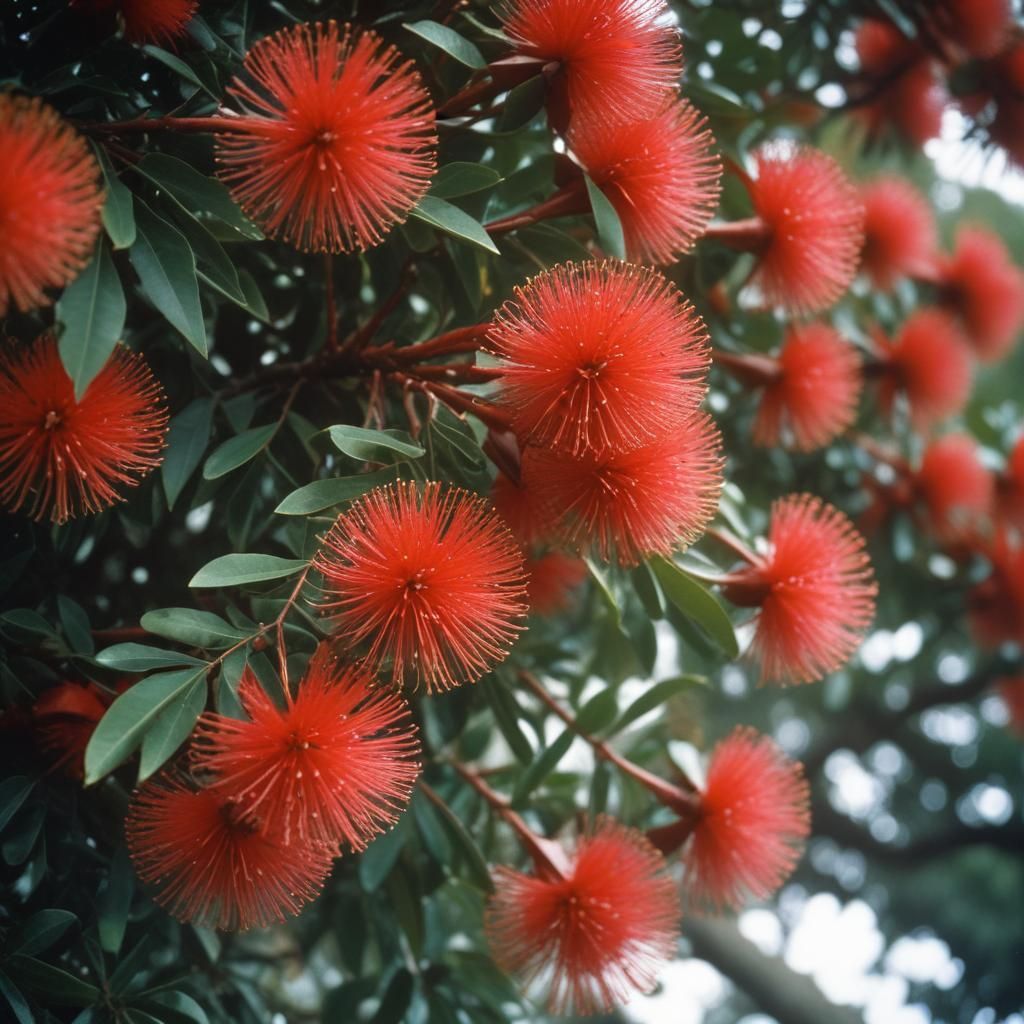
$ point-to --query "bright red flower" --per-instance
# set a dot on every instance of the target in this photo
(594, 936)
(429, 581)
(930, 363)
(212, 867)
(814, 222)
(911, 93)
(50, 201)
(523, 513)
(981, 27)
(61, 457)
(814, 396)
(156, 21)
(958, 490)
(660, 175)
(899, 232)
(599, 356)
(336, 140)
(814, 590)
(618, 59)
(628, 505)
(336, 765)
(1011, 690)
(753, 821)
(551, 579)
(64, 718)
(986, 289)
(996, 605)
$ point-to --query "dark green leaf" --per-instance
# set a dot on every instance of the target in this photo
(179, 67)
(646, 587)
(140, 658)
(379, 857)
(598, 712)
(542, 767)
(75, 624)
(605, 590)
(609, 227)
(122, 729)
(191, 626)
(92, 311)
(453, 221)
(238, 450)
(656, 696)
(187, 439)
(396, 999)
(374, 445)
(321, 494)
(15, 1000)
(237, 570)
(522, 104)
(450, 41)
(118, 211)
(697, 603)
(476, 863)
(177, 1008)
(57, 985)
(506, 714)
(13, 793)
(172, 727)
(195, 193)
(114, 901)
(40, 931)
(167, 269)
(461, 179)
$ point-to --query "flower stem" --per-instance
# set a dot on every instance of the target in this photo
(569, 200)
(750, 235)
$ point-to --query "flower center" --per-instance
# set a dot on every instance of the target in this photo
(51, 420)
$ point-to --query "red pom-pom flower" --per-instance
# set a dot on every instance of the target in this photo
(50, 201)
(813, 395)
(428, 581)
(928, 362)
(660, 174)
(981, 27)
(618, 60)
(594, 936)
(64, 718)
(986, 289)
(599, 356)
(752, 822)
(60, 456)
(814, 590)
(900, 237)
(958, 490)
(628, 505)
(996, 605)
(551, 580)
(337, 764)
(813, 225)
(214, 868)
(335, 143)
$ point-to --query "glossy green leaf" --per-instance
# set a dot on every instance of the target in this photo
(454, 221)
(657, 695)
(118, 206)
(75, 625)
(238, 450)
(697, 603)
(523, 104)
(122, 729)
(172, 727)
(187, 438)
(14, 792)
(92, 312)
(166, 267)
(191, 626)
(541, 767)
(375, 445)
(506, 714)
(379, 857)
(114, 901)
(460, 178)
(476, 862)
(40, 931)
(57, 985)
(15, 1000)
(605, 590)
(179, 67)
(239, 569)
(176, 1008)
(609, 227)
(322, 494)
(447, 39)
(132, 657)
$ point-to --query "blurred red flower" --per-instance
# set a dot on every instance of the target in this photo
(900, 237)
(957, 489)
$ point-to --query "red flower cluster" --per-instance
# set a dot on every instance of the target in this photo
(996, 605)
(957, 489)
(146, 21)
(980, 27)
(812, 219)
(930, 364)
(659, 173)
(335, 143)
(617, 60)
(813, 394)
(985, 288)
(814, 591)
(63, 719)
(753, 820)
(60, 456)
(337, 764)
(900, 238)
(50, 201)
(214, 867)
(904, 81)
(428, 581)
(598, 357)
(596, 934)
